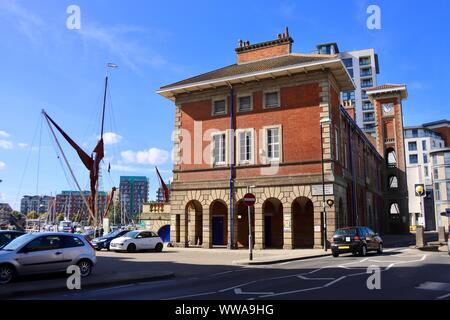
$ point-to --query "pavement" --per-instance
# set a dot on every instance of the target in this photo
(123, 269)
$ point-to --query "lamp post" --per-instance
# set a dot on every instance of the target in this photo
(323, 122)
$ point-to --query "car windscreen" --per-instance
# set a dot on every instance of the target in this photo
(113, 234)
(131, 234)
(18, 242)
(345, 232)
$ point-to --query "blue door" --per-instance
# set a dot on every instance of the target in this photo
(217, 231)
(268, 231)
(164, 233)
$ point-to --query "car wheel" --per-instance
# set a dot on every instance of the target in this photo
(108, 247)
(380, 249)
(131, 248)
(363, 251)
(355, 253)
(85, 267)
(159, 247)
(6, 274)
(335, 254)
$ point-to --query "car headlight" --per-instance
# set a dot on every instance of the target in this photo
(103, 240)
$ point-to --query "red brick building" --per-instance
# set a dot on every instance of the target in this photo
(267, 121)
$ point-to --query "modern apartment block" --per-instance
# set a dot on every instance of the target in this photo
(363, 67)
(441, 184)
(39, 204)
(71, 203)
(420, 141)
(133, 194)
(273, 122)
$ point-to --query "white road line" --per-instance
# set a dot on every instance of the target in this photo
(239, 291)
(443, 297)
(290, 292)
(219, 273)
(305, 260)
(333, 282)
(114, 288)
(314, 279)
(191, 295)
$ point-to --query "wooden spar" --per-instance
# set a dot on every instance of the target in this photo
(70, 168)
(110, 200)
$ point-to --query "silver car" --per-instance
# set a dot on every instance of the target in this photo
(45, 253)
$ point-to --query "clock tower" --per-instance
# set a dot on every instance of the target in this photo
(387, 101)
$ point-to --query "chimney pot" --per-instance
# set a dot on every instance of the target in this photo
(286, 31)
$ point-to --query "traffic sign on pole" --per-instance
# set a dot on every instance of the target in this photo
(249, 200)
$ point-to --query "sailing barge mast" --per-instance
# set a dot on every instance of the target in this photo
(91, 162)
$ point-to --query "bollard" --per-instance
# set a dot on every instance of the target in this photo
(441, 232)
(420, 237)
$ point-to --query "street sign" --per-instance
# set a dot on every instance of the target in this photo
(447, 211)
(317, 190)
(249, 200)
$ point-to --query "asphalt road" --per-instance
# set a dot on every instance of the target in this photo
(403, 274)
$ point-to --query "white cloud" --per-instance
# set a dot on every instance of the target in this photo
(4, 134)
(2, 197)
(4, 144)
(111, 138)
(153, 156)
(22, 145)
(2, 165)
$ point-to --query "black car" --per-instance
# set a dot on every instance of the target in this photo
(356, 240)
(6, 236)
(104, 242)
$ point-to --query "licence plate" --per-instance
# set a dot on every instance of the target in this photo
(344, 247)
(347, 239)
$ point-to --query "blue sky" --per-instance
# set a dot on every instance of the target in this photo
(45, 65)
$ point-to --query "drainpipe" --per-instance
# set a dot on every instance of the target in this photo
(352, 169)
(231, 157)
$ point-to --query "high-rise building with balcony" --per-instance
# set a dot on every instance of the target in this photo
(441, 185)
(420, 141)
(39, 204)
(362, 65)
(133, 194)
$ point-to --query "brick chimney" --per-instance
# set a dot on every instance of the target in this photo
(350, 108)
(281, 46)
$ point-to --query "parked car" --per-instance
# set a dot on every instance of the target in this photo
(6, 236)
(65, 226)
(38, 253)
(357, 240)
(137, 240)
(105, 241)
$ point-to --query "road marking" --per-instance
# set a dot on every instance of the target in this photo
(114, 288)
(335, 281)
(219, 274)
(305, 260)
(290, 292)
(434, 286)
(443, 297)
(313, 279)
(239, 291)
(191, 295)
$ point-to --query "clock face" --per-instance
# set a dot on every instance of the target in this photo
(387, 108)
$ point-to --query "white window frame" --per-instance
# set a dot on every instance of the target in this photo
(238, 147)
(213, 104)
(337, 144)
(277, 90)
(266, 159)
(243, 95)
(226, 146)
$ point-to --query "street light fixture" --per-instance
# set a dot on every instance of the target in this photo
(323, 122)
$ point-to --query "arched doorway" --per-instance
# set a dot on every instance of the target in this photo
(219, 223)
(273, 223)
(242, 224)
(303, 223)
(194, 214)
(164, 233)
